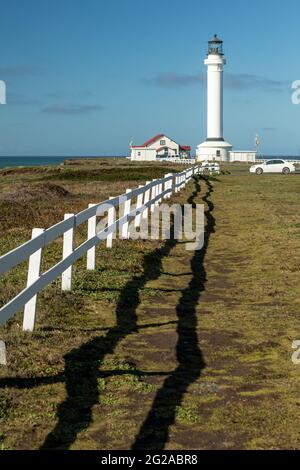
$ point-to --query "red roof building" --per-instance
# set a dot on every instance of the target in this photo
(158, 147)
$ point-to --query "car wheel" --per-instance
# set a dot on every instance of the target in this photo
(259, 171)
(286, 171)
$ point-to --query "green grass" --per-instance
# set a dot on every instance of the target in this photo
(110, 175)
(119, 345)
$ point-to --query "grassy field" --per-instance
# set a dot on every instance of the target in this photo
(159, 348)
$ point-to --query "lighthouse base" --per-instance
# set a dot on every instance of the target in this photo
(213, 150)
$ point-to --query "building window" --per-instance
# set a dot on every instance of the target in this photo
(218, 153)
(139, 154)
(162, 142)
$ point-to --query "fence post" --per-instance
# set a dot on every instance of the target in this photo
(127, 205)
(168, 186)
(165, 187)
(153, 195)
(3, 358)
(91, 253)
(68, 240)
(157, 194)
(146, 200)
(33, 274)
(139, 203)
(110, 221)
(159, 191)
(172, 184)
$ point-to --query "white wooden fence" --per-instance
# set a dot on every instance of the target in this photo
(180, 161)
(146, 197)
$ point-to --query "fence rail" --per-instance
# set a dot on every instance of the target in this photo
(146, 196)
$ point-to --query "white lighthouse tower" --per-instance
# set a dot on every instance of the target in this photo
(215, 147)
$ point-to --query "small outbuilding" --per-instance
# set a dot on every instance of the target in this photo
(160, 146)
(246, 156)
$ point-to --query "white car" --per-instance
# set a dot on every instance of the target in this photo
(273, 166)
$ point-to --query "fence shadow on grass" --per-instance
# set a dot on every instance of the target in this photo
(154, 433)
(82, 364)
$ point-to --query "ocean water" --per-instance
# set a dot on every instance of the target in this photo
(29, 161)
(34, 161)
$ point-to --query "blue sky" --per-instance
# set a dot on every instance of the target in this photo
(86, 77)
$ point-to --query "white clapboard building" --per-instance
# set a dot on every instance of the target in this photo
(159, 147)
(245, 156)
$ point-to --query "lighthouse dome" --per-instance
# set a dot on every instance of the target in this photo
(216, 40)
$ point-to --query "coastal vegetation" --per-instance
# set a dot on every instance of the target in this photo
(159, 347)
